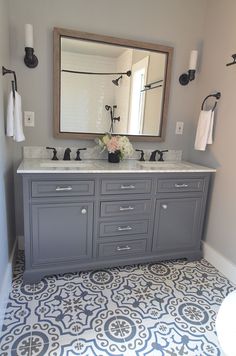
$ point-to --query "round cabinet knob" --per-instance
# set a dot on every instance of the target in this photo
(84, 211)
(164, 206)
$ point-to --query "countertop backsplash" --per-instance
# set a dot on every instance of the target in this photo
(91, 153)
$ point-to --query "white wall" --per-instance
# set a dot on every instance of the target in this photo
(122, 92)
(220, 44)
(176, 23)
(6, 167)
(83, 95)
(154, 97)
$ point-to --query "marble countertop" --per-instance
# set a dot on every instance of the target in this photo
(102, 166)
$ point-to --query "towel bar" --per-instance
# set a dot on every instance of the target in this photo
(216, 95)
(234, 60)
(14, 82)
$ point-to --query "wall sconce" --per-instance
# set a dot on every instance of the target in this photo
(185, 78)
(30, 59)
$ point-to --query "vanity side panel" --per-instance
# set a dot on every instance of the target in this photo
(27, 221)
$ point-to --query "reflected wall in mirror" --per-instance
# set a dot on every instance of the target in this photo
(104, 84)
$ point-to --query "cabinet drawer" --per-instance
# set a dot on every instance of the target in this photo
(126, 186)
(123, 228)
(125, 208)
(121, 248)
(62, 188)
(180, 185)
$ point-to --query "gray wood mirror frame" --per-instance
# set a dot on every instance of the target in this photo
(107, 84)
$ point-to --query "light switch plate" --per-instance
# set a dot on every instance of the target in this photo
(29, 118)
(179, 128)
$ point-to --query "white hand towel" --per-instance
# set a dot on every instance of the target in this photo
(18, 125)
(10, 115)
(14, 118)
(204, 130)
(210, 134)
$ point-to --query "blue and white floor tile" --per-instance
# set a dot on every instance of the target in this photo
(166, 308)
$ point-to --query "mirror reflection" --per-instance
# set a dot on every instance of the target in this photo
(107, 84)
(111, 88)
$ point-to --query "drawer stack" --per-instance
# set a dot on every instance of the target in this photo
(124, 221)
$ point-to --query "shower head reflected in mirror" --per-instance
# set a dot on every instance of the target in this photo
(107, 107)
(116, 81)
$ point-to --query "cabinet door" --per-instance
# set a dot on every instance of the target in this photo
(177, 224)
(61, 232)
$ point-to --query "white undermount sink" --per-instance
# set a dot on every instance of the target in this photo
(163, 165)
(64, 164)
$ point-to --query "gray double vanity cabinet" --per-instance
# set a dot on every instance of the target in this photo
(100, 215)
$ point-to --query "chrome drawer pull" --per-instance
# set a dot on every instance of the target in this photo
(83, 211)
(60, 189)
(127, 186)
(125, 208)
(164, 206)
(123, 248)
(181, 185)
(124, 228)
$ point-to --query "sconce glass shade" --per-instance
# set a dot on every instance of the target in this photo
(29, 37)
(185, 78)
(193, 60)
(30, 59)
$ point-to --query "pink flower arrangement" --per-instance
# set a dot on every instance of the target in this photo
(117, 143)
(113, 144)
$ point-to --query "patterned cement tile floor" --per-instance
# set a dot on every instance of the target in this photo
(152, 309)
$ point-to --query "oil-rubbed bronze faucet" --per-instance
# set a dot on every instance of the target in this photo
(78, 154)
(153, 155)
(141, 155)
(54, 158)
(67, 154)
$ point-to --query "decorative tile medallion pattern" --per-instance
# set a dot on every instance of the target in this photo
(166, 308)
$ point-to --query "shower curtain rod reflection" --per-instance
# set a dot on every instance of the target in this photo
(150, 86)
(128, 73)
(147, 89)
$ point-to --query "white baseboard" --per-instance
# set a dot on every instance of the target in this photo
(226, 267)
(7, 284)
(21, 242)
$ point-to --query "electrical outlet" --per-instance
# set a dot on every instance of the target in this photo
(29, 118)
(179, 128)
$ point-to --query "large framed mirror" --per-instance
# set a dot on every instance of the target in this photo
(106, 84)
